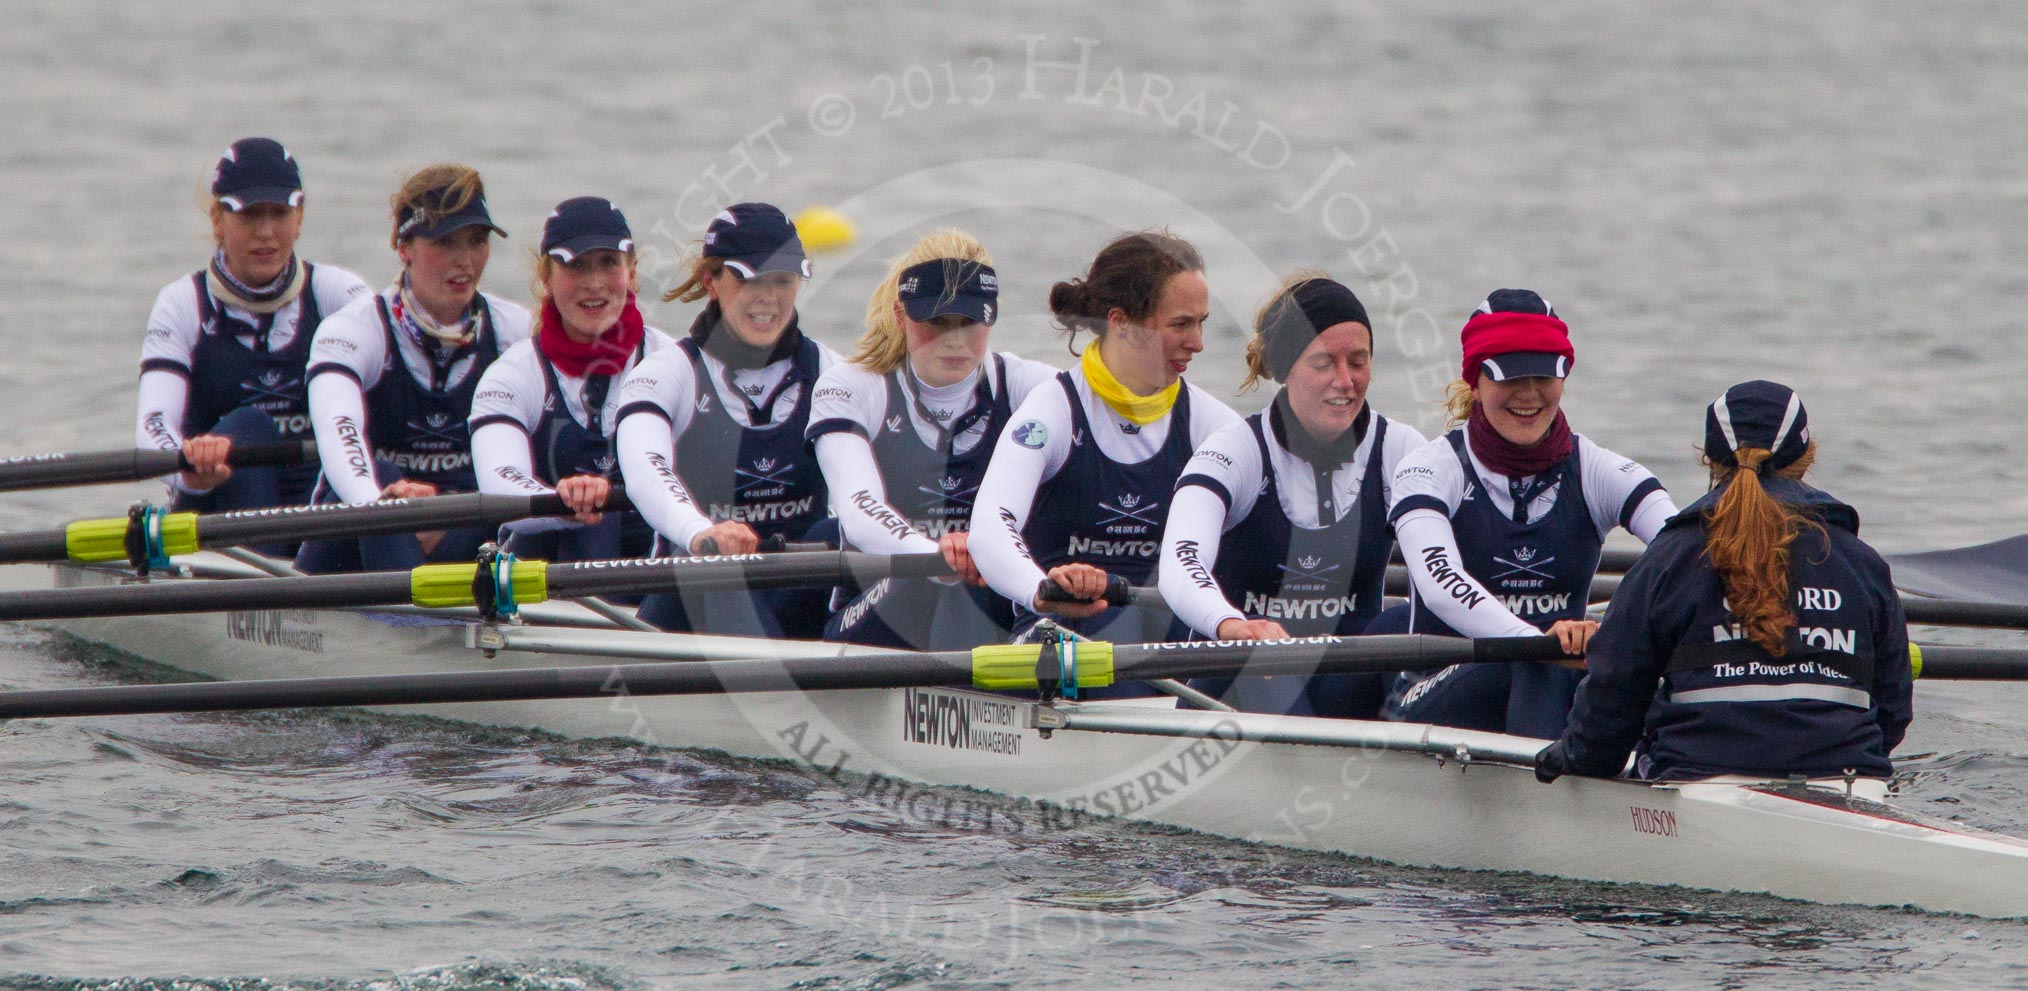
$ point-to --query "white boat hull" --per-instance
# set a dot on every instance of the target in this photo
(1407, 794)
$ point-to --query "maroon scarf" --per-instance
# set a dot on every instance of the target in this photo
(605, 354)
(1499, 454)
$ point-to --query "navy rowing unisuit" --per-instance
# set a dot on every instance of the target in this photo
(904, 462)
(204, 359)
(1493, 556)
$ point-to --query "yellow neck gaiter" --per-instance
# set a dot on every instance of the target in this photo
(1138, 410)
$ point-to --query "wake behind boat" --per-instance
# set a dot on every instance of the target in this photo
(1404, 793)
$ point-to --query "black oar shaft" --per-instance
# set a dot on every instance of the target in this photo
(667, 678)
(373, 588)
(321, 522)
(327, 521)
(1973, 664)
(37, 471)
(795, 569)
(35, 545)
(891, 670)
(386, 588)
(1611, 561)
(1949, 612)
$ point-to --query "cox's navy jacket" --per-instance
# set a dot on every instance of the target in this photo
(1671, 674)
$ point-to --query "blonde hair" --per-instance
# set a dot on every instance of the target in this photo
(456, 185)
(1256, 349)
(1459, 397)
(1748, 536)
(692, 289)
(884, 345)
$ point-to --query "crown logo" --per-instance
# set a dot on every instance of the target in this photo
(1524, 554)
(1129, 501)
(764, 465)
(1309, 563)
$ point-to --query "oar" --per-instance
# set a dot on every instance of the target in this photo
(1612, 560)
(446, 585)
(1993, 572)
(1119, 592)
(119, 538)
(41, 471)
(1968, 663)
(998, 667)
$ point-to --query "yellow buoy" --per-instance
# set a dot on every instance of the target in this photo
(823, 229)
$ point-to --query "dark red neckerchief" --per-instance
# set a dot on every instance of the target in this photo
(605, 354)
(1501, 455)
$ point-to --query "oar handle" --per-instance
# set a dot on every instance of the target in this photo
(41, 471)
(1119, 592)
(280, 454)
(551, 504)
(771, 544)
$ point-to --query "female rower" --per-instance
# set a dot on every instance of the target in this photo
(226, 347)
(1079, 485)
(538, 418)
(1501, 522)
(392, 375)
(1279, 524)
(920, 404)
(711, 431)
(1757, 636)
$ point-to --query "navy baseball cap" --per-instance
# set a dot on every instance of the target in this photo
(256, 170)
(431, 221)
(1525, 364)
(950, 285)
(585, 223)
(1762, 414)
(754, 238)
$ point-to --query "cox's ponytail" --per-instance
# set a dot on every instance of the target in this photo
(1749, 537)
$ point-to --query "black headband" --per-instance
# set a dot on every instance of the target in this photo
(1310, 308)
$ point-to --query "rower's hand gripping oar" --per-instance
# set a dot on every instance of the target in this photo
(42, 471)
(146, 537)
(773, 543)
(1119, 592)
(1001, 667)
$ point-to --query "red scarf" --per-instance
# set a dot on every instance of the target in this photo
(605, 354)
(1499, 454)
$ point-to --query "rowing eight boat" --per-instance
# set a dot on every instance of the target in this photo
(1409, 794)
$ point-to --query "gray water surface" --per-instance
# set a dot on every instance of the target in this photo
(1829, 195)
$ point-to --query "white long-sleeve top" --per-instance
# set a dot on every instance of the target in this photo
(348, 356)
(169, 349)
(1019, 469)
(507, 411)
(1201, 514)
(657, 402)
(850, 408)
(1432, 471)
